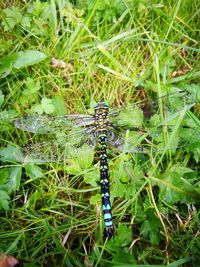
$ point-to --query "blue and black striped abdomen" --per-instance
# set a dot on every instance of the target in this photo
(101, 123)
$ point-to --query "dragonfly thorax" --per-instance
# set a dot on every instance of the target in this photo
(101, 118)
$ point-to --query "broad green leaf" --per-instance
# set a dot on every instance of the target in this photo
(3, 176)
(32, 85)
(7, 116)
(84, 156)
(127, 190)
(6, 65)
(149, 230)
(92, 177)
(47, 105)
(73, 167)
(140, 213)
(4, 200)
(20, 60)
(124, 170)
(40, 9)
(11, 153)
(188, 135)
(33, 171)
(26, 23)
(95, 200)
(4, 180)
(32, 88)
(30, 93)
(15, 177)
(132, 116)
(13, 17)
(125, 258)
(27, 58)
(127, 179)
(82, 162)
(123, 237)
(174, 187)
(37, 108)
(59, 105)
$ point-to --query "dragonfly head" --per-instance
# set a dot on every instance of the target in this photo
(101, 105)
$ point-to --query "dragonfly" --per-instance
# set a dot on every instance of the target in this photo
(103, 129)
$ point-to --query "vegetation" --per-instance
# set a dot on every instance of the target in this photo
(59, 57)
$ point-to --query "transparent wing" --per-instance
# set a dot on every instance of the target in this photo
(133, 115)
(47, 151)
(46, 124)
(156, 140)
(60, 149)
(160, 132)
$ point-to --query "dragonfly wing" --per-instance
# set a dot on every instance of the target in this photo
(83, 135)
(154, 136)
(47, 151)
(134, 115)
(46, 124)
(145, 141)
(60, 149)
(129, 141)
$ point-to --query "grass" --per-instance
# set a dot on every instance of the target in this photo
(121, 52)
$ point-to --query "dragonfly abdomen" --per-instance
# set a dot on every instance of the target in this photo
(101, 123)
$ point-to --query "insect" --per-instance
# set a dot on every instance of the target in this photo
(102, 129)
